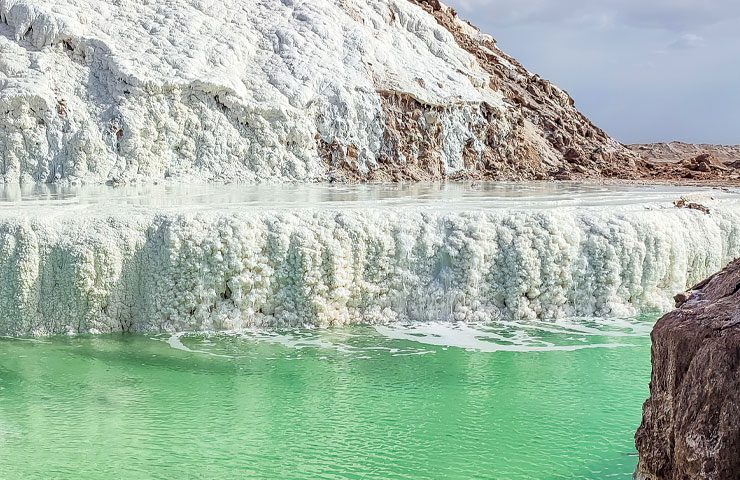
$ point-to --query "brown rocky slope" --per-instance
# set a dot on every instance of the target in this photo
(692, 162)
(552, 139)
(691, 422)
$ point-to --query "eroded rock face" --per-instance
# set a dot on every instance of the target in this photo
(554, 139)
(691, 422)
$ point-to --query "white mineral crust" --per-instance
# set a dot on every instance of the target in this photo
(226, 90)
(143, 268)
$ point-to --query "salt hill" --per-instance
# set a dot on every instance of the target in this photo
(94, 91)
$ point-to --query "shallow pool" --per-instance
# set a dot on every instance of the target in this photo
(537, 400)
(96, 200)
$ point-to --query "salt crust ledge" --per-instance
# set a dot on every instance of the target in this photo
(211, 270)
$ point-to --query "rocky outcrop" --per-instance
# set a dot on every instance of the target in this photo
(555, 140)
(689, 162)
(691, 422)
(676, 151)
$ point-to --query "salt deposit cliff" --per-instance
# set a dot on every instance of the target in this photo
(691, 423)
(73, 266)
(94, 91)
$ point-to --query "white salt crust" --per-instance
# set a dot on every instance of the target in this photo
(222, 269)
(95, 91)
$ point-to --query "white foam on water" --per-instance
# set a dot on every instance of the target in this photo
(295, 340)
(486, 339)
(215, 343)
(175, 341)
(415, 339)
(603, 327)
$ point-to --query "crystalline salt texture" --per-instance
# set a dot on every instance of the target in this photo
(225, 90)
(212, 269)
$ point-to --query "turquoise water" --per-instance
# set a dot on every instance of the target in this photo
(535, 401)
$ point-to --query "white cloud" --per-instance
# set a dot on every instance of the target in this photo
(687, 41)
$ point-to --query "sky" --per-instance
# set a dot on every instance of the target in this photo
(643, 70)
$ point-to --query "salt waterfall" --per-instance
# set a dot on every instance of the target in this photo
(153, 266)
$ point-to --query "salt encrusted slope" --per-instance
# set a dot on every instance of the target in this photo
(243, 90)
(554, 139)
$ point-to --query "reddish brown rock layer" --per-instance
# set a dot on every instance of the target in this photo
(691, 422)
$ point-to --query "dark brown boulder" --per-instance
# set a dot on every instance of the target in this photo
(691, 422)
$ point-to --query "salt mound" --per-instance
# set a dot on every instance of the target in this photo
(94, 91)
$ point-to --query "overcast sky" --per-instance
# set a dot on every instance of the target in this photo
(644, 70)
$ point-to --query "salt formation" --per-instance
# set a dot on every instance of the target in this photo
(72, 269)
(239, 91)
(93, 91)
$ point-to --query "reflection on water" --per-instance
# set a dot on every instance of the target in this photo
(448, 195)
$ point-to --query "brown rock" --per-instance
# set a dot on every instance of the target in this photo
(683, 203)
(702, 167)
(706, 162)
(715, 164)
(682, 298)
(691, 422)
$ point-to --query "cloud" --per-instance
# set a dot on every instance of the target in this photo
(673, 15)
(687, 41)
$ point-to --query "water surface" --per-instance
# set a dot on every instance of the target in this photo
(506, 401)
(444, 196)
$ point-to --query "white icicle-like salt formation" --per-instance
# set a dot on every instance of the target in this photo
(91, 268)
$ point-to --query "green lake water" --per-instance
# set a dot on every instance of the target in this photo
(509, 401)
